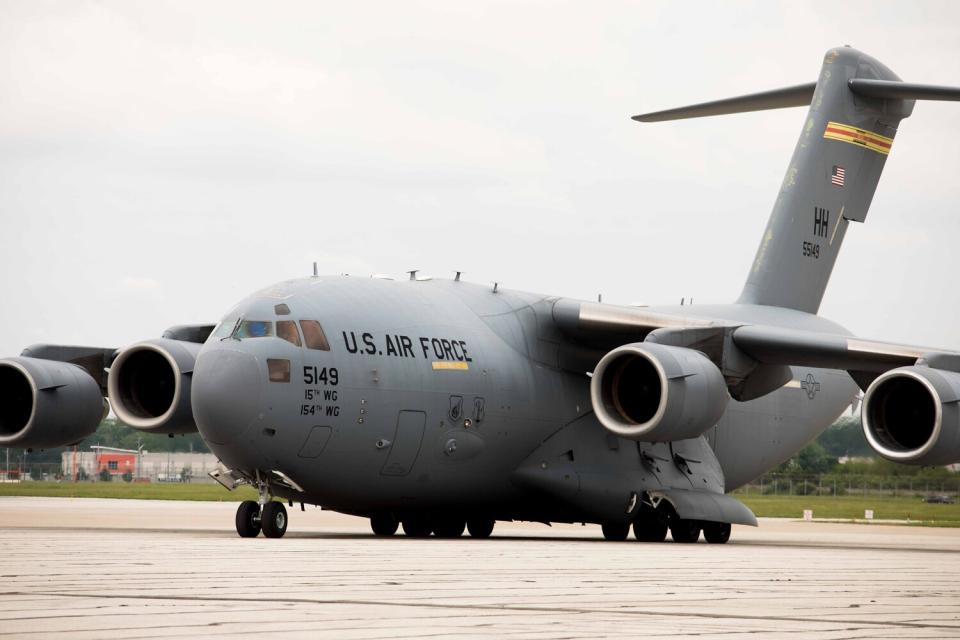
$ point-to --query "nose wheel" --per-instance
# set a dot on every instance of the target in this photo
(248, 519)
(271, 519)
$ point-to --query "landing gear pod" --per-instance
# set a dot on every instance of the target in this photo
(912, 415)
(45, 403)
(149, 385)
(656, 393)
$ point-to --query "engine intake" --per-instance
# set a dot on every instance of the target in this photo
(149, 385)
(46, 403)
(656, 393)
(912, 415)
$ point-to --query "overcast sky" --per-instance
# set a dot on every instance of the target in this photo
(160, 161)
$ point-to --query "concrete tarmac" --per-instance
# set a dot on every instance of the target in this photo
(98, 569)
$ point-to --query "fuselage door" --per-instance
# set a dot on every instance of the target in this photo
(406, 443)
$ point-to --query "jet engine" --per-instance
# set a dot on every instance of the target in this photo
(149, 385)
(655, 393)
(912, 415)
(45, 403)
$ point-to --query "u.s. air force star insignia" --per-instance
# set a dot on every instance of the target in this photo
(810, 385)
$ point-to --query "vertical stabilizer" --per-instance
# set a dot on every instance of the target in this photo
(855, 108)
(830, 182)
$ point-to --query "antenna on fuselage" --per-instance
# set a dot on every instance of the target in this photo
(315, 272)
(456, 278)
(413, 274)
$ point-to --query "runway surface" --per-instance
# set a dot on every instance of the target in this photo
(98, 569)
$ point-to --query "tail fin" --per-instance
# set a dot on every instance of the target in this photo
(855, 107)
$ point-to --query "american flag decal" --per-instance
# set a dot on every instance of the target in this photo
(837, 175)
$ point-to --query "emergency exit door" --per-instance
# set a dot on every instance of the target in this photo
(406, 443)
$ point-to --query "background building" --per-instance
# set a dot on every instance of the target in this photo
(172, 466)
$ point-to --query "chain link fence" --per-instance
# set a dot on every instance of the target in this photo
(54, 472)
(773, 484)
(17, 471)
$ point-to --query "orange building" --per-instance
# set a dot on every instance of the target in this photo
(116, 462)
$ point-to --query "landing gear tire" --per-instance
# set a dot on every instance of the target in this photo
(652, 529)
(248, 519)
(615, 532)
(716, 532)
(687, 531)
(274, 520)
(384, 524)
(480, 527)
(449, 528)
(416, 527)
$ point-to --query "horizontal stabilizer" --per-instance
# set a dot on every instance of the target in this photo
(797, 96)
(891, 89)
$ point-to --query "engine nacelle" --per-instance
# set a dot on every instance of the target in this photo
(912, 415)
(46, 403)
(149, 385)
(657, 393)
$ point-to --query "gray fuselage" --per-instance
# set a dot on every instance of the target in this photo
(434, 392)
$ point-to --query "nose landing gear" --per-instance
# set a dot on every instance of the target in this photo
(248, 519)
(271, 519)
(265, 515)
(251, 519)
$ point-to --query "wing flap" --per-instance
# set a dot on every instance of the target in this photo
(773, 345)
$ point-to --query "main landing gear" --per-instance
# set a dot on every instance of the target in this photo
(421, 526)
(651, 525)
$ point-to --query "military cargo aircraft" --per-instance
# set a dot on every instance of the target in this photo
(440, 405)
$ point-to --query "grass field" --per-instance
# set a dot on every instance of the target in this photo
(852, 508)
(128, 490)
(824, 507)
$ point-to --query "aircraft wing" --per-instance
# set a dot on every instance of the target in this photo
(773, 345)
(863, 359)
(605, 325)
(94, 360)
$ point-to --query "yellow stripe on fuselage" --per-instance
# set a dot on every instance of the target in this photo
(450, 366)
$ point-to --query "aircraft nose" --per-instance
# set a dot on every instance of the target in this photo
(226, 393)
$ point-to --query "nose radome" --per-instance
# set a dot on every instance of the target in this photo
(226, 393)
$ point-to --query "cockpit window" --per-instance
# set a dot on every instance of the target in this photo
(313, 335)
(281, 309)
(254, 329)
(224, 329)
(287, 329)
